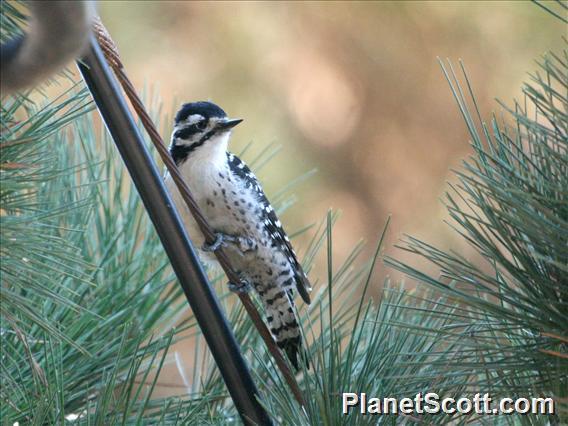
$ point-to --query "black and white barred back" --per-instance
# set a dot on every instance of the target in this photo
(276, 272)
(279, 239)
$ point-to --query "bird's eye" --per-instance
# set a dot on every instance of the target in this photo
(201, 125)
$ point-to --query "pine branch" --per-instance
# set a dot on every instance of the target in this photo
(511, 206)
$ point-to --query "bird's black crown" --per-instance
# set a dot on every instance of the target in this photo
(204, 108)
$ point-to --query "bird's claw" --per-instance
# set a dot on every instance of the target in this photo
(242, 287)
(244, 244)
(220, 240)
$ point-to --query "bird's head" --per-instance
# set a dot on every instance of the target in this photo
(200, 126)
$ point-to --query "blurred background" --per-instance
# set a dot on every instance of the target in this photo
(353, 90)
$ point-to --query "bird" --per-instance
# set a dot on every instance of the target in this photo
(232, 200)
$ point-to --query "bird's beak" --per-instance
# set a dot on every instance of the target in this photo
(228, 124)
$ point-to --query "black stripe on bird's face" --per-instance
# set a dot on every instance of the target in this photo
(191, 137)
(180, 152)
(186, 132)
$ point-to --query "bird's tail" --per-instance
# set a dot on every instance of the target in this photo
(282, 322)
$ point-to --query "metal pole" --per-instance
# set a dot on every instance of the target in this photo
(156, 199)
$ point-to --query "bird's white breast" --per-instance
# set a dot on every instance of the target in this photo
(223, 199)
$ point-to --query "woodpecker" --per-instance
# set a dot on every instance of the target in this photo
(246, 225)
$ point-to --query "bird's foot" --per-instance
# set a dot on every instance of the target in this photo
(243, 244)
(242, 287)
(220, 240)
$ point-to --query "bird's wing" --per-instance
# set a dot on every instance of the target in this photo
(272, 224)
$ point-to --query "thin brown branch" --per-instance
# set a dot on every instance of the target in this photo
(554, 353)
(556, 336)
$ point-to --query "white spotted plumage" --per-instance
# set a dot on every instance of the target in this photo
(232, 200)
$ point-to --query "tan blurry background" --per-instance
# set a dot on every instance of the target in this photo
(352, 89)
